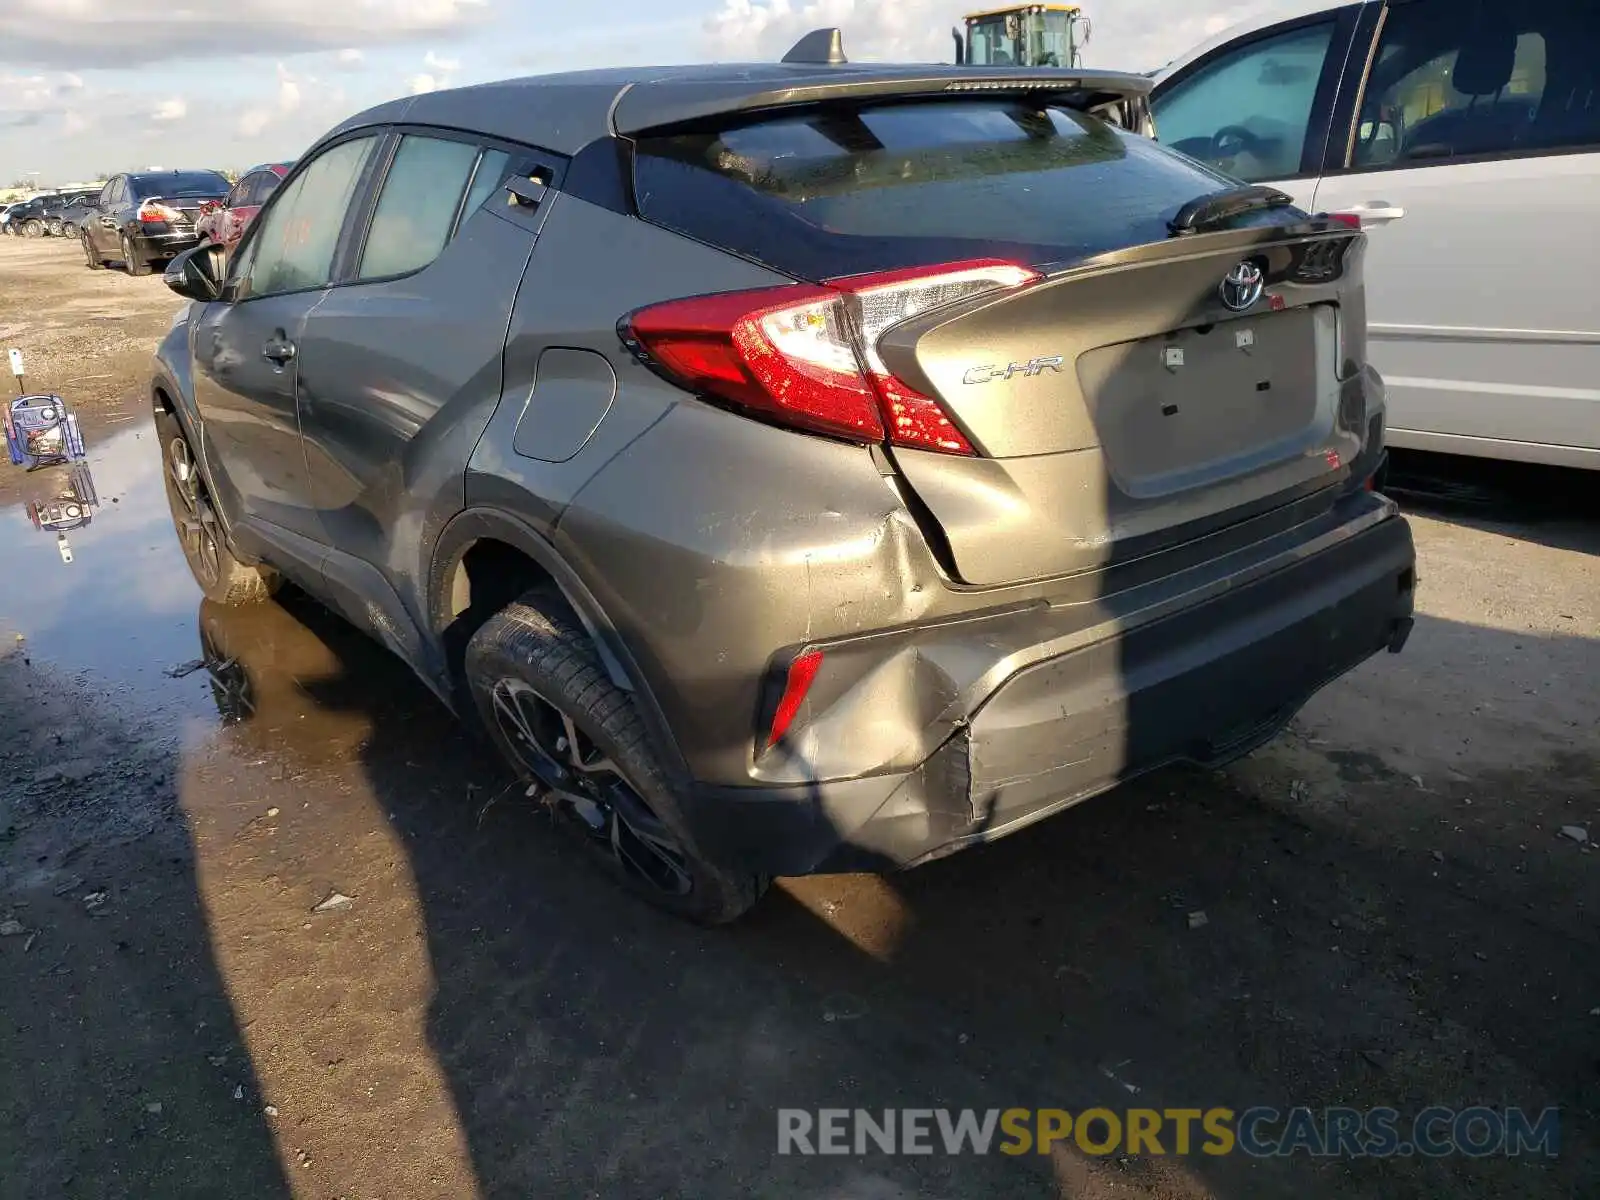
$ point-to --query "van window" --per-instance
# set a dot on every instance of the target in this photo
(1248, 110)
(1467, 79)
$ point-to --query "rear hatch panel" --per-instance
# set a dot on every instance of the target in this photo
(1121, 406)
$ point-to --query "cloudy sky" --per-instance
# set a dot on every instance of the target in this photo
(92, 86)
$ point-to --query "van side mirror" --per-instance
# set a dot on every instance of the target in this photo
(196, 274)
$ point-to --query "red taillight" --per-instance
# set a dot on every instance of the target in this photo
(807, 355)
(1348, 219)
(801, 673)
(153, 212)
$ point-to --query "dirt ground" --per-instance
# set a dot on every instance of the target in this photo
(1392, 914)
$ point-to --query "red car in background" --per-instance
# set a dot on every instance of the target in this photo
(224, 222)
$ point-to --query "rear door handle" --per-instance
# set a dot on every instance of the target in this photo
(279, 351)
(1375, 213)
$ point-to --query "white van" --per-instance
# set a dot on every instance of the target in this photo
(1465, 136)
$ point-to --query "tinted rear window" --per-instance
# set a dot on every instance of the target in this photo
(179, 183)
(834, 191)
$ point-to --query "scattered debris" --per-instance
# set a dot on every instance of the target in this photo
(1437, 855)
(95, 900)
(334, 901)
(183, 669)
(1110, 1073)
(963, 1038)
(271, 1110)
(11, 927)
(1577, 833)
(272, 812)
(1299, 791)
(1198, 919)
(1416, 779)
(153, 1108)
(238, 1091)
(1375, 1058)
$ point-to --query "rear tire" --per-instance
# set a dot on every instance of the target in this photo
(33, 229)
(54, 228)
(132, 261)
(222, 577)
(556, 717)
(96, 263)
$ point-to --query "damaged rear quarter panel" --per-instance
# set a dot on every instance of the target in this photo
(715, 543)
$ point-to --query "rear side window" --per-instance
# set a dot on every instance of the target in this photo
(839, 191)
(417, 209)
(266, 183)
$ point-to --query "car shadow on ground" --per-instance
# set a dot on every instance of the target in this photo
(1179, 943)
(123, 1072)
(1557, 507)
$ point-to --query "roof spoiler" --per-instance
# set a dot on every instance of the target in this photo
(664, 104)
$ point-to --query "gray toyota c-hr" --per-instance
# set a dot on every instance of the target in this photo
(797, 467)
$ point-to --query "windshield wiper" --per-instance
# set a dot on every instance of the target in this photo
(1214, 208)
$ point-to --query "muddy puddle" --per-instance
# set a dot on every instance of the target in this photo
(93, 585)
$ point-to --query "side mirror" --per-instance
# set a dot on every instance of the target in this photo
(196, 274)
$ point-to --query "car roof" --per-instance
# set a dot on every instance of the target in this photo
(1283, 10)
(173, 171)
(566, 112)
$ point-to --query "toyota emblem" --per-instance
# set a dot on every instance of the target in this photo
(1243, 286)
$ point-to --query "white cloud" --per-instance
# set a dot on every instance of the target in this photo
(435, 77)
(351, 58)
(288, 91)
(120, 33)
(257, 120)
(174, 108)
(1136, 35)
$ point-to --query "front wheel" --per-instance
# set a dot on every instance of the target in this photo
(33, 229)
(222, 577)
(53, 228)
(556, 716)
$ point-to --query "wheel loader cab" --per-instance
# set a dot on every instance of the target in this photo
(1028, 35)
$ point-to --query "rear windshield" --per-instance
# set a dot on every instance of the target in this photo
(837, 191)
(176, 184)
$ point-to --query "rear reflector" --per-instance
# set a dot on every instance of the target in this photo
(801, 673)
(806, 355)
(1353, 220)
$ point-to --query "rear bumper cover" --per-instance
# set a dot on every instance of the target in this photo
(168, 243)
(1203, 684)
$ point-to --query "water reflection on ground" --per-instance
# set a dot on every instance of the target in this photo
(108, 600)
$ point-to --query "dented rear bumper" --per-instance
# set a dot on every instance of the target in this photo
(997, 722)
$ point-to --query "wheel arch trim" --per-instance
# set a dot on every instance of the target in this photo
(475, 525)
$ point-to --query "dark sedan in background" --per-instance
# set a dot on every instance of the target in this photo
(148, 217)
(225, 221)
(80, 206)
